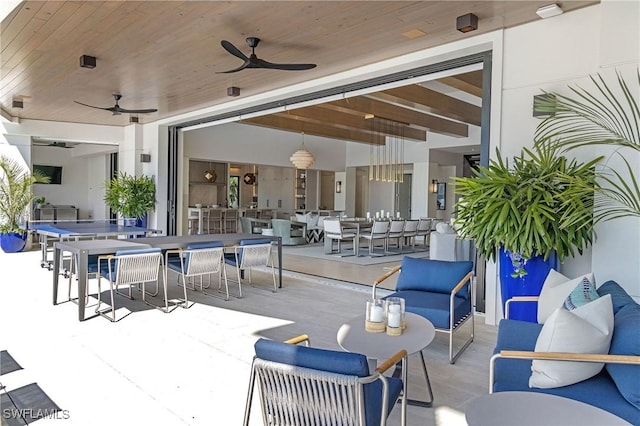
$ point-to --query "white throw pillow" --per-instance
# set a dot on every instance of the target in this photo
(312, 220)
(444, 228)
(554, 292)
(587, 329)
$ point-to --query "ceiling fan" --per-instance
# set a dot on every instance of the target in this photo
(254, 62)
(55, 144)
(117, 110)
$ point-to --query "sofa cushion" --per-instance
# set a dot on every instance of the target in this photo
(619, 297)
(626, 341)
(434, 306)
(554, 292)
(436, 276)
(587, 329)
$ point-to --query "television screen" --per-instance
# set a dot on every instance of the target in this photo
(53, 172)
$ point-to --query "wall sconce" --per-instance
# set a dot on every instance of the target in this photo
(338, 187)
(466, 23)
(434, 186)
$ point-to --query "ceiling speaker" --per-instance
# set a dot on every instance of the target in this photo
(134, 120)
(466, 23)
(17, 103)
(233, 91)
(87, 61)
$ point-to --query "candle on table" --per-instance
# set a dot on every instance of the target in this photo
(398, 215)
(376, 314)
(394, 319)
(388, 215)
(394, 308)
(368, 215)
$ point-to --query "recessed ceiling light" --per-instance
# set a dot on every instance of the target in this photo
(549, 10)
(414, 33)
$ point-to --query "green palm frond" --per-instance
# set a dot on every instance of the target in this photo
(608, 116)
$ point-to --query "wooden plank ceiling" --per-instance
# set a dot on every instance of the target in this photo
(407, 112)
(167, 55)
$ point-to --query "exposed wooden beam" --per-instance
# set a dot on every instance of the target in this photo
(337, 119)
(429, 100)
(470, 82)
(290, 123)
(403, 115)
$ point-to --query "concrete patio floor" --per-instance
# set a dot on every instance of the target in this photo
(191, 366)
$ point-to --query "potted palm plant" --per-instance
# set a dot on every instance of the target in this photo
(132, 197)
(15, 198)
(528, 215)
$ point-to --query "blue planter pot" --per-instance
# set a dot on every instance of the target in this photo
(528, 285)
(13, 242)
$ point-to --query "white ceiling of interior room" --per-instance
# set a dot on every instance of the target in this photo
(167, 55)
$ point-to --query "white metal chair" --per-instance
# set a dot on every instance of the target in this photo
(196, 262)
(301, 385)
(131, 268)
(250, 254)
(333, 230)
(379, 231)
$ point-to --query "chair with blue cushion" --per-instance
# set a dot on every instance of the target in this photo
(440, 291)
(250, 254)
(131, 268)
(196, 262)
(302, 385)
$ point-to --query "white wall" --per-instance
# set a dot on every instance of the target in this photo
(556, 53)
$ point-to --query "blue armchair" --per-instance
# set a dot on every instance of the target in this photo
(440, 291)
(321, 386)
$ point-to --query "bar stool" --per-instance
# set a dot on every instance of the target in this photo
(214, 221)
(231, 220)
(192, 225)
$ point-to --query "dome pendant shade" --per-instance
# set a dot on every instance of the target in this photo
(302, 158)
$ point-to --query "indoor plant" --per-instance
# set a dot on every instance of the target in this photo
(517, 211)
(15, 199)
(131, 196)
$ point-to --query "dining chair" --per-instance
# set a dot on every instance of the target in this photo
(215, 221)
(302, 385)
(378, 231)
(194, 263)
(249, 254)
(396, 228)
(409, 233)
(424, 230)
(334, 230)
(440, 291)
(131, 268)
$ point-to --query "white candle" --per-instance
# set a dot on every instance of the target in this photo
(368, 215)
(398, 215)
(377, 215)
(388, 215)
(382, 213)
(394, 319)
(376, 314)
(394, 308)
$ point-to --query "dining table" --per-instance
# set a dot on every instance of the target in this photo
(83, 249)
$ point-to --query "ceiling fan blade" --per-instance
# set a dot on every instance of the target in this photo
(261, 63)
(137, 111)
(233, 50)
(91, 106)
(247, 64)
